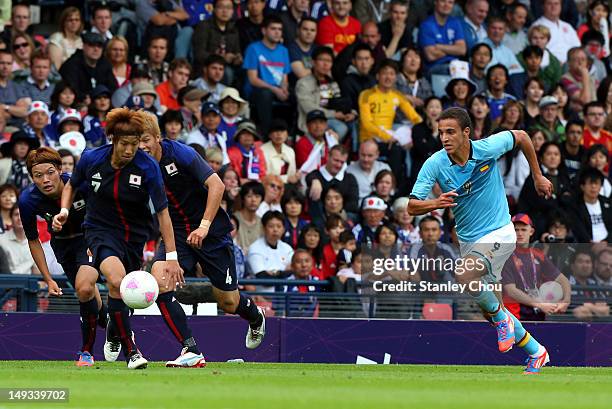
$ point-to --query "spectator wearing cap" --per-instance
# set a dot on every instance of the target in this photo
(245, 156)
(548, 121)
(460, 88)
(562, 35)
(13, 97)
(87, 68)
(497, 80)
(267, 65)
(581, 87)
(318, 90)
(144, 97)
(37, 120)
(407, 232)
(178, 77)
(207, 135)
(13, 168)
(70, 121)
(591, 214)
(65, 42)
(190, 100)
(164, 19)
(280, 157)
(231, 106)
(212, 75)
(372, 214)
(95, 121)
(312, 148)
(37, 86)
(117, 51)
(516, 35)
(496, 29)
(333, 174)
(526, 270)
(155, 63)
(218, 35)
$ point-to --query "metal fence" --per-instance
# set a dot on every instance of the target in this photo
(23, 293)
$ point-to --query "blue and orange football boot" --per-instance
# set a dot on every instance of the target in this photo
(505, 334)
(85, 359)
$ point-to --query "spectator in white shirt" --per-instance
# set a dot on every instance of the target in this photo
(563, 37)
(280, 157)
(367, 167)
(15, 245)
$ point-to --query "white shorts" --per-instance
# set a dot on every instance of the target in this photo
(494, 248)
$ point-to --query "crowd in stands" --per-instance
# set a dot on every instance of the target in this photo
(318, 116)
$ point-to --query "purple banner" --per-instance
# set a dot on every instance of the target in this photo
(57, 336)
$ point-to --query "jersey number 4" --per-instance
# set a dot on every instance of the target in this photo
(228, 277)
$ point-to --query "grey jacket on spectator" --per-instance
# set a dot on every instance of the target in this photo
(308, 95)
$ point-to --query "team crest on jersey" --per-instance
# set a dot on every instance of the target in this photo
(171, 169)
(79, 204)
(467, 186)
(450, 34)
(135, 180)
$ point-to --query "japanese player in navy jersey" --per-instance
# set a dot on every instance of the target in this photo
(42, 198)
(202, 231)
(121, 180)
(472, 186)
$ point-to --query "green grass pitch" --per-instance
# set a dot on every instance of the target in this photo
(312, 386)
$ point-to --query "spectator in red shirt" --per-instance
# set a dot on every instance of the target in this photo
(316, 123)
(334, 226)
(178, 76)
(594, 118)
(245, 157)
(338, 29)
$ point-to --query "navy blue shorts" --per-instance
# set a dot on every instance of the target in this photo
(104, 244)
(71, 254)
(216, 257)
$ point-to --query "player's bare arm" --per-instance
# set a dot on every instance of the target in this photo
(216, 188)
(38, 254)
(418, 207)
(61, 218)
(543, 186)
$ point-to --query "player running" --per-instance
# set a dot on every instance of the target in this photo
(120, 180)
(202, 231)
(472, 186)
(42, 199)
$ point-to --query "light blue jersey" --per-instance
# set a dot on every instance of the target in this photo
(481, 205)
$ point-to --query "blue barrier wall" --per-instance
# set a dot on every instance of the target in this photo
(57, 337)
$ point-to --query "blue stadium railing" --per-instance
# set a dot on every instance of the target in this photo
(25, 290)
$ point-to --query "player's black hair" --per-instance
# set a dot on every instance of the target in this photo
(429, 218)
(253, 187)
(270, 215)
(532, 50)
(322, 50)
(292, 194)
(458, 114)
(590, 174)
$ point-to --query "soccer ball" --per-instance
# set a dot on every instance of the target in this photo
(139, 289)
(551, 291)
